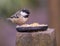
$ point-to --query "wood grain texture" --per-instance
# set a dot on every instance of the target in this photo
(43, 38)
(54, 18)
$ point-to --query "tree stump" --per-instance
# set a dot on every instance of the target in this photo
(40, 38)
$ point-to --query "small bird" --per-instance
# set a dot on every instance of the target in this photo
(20, 17)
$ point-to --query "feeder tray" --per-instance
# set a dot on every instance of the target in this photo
(32, 29)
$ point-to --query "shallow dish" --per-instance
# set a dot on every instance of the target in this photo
(32, 29)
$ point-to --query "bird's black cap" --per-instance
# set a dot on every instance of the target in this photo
(26, 11)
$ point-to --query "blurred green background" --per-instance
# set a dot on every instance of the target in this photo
(8, 7)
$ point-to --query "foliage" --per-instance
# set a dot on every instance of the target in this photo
(8, 7)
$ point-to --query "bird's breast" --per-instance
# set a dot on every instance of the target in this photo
(20, 20)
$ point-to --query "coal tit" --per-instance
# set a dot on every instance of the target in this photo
(20, 17)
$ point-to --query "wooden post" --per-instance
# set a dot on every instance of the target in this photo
(43, 38)
(54, 18)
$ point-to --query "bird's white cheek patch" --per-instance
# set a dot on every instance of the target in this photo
(23, 13)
